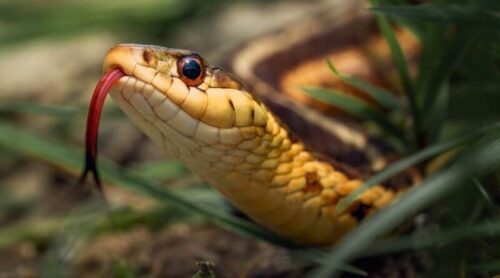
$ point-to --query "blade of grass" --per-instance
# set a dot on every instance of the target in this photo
(357, 108)
(383, 97)
(494, 210)
(161, 170)
(414, 159)
(432, 189)
(441, 72)
(204, 195)
(437, 113)
(317, 255)
(435, 239)
(402, 67)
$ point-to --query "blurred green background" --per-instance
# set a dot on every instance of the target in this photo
(51, 53)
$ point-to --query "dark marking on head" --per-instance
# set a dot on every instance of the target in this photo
(232, 105)
(359, 211)
(252, 114)
(147, 55)
(150, 57)
(313, 183)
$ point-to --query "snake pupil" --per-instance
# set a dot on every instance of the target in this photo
(191, 69)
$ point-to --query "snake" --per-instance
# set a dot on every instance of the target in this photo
(222, 131)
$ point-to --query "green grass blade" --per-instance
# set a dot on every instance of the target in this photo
(402, 67)
(440, 73)
(71, 160)
(358, 109)
(383, 97)
(432, 189)
(205, 195)
(317, 256)
(161, 170)
(435, 239)
(445, 13)
(437, 113)
(494, 210)
(414, 159)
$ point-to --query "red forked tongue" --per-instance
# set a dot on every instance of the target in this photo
(93, 117)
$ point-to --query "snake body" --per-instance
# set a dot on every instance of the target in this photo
(223, 133)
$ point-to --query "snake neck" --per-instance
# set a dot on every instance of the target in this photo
(280, 184)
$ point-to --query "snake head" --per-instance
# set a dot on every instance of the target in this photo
(179, 87)
(176, 98)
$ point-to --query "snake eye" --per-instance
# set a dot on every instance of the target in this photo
(191, 70)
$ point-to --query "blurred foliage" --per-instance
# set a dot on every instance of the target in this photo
(27, 20)
(146, 21)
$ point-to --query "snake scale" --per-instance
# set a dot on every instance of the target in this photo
(223, 132)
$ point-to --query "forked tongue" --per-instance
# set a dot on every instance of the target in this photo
(93, 117)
